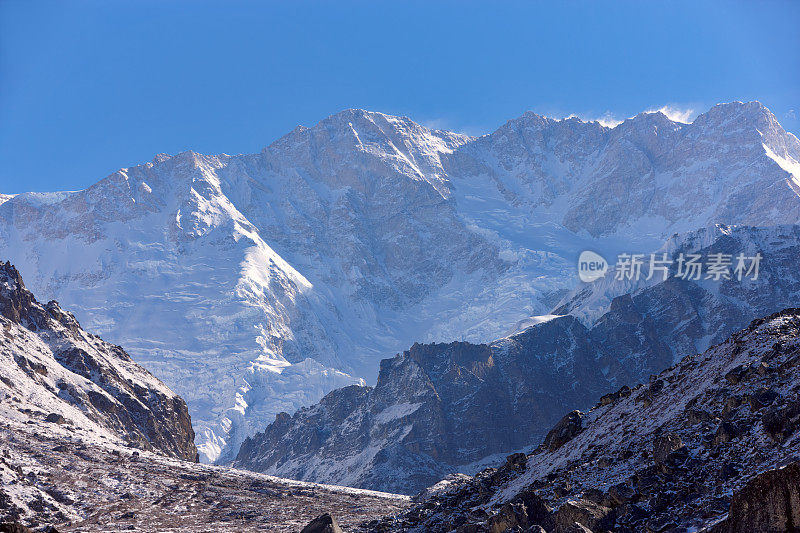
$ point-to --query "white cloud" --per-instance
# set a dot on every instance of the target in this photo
(607, 119)
(435, 124)
(447, 125)
(676, 114)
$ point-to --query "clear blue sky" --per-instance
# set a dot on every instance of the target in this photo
(87, 87)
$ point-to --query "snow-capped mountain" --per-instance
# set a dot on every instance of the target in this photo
(254, 284)
(55, 374)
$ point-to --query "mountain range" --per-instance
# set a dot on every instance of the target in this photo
(255, 284)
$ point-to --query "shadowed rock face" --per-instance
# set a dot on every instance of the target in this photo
(50, 364)
(769, 503)
(435, 407)
(641, 330)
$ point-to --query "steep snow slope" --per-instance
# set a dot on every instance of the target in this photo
(253, 284)
(52, 373)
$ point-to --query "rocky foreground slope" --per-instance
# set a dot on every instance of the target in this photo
(76, 485)
(696, 447)
(54, 373)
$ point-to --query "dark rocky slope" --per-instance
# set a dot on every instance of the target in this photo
(643, 327)
(434, 407)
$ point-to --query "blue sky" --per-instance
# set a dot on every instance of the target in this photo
(87, 87)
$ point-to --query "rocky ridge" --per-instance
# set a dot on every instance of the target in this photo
(53, 373)
(436, 409)
(663, 456)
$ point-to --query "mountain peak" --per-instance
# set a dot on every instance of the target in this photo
(750, 114)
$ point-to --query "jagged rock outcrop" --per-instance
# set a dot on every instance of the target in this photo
(566, 429)
(652, 460)
(323, 524)
(53, 372)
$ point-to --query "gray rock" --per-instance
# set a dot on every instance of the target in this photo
(665, 445)
(55, 418)
(567, 428)
(323, 524)
(782, 422)
(585, 513)
(726, 432)
(769, 503)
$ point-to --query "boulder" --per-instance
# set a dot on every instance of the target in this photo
(781, 422)
(516, 461)
(656, 386)
(736, 375)
(726, 432)
(665, 445)
(526, 510)
(323, 524)
(697, 416)
(611, 397)
(768, 503)
(55, 418)
(510, 515)
(536, 508)
(619, 494)
(584, 512)
(566, 430)
(762, 398)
